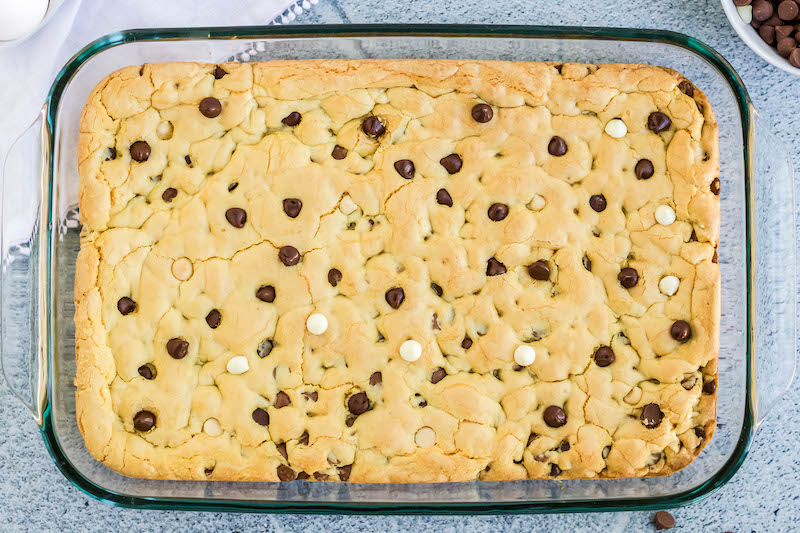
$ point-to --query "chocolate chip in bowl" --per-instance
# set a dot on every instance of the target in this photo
(770, 27)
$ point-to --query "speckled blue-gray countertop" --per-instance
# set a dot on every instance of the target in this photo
(764, 496)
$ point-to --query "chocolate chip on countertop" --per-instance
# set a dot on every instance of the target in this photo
(466, 343)
(236, 217)
(681, 331)
(126, 306)
(686, 88)
(146, 371)
(289, 255)
(554, 416)
(210, 107)
(715, 186)
(281, 400)
(285, 473)
(451, 163)
(710, 387)
(376, 378)
(140, 151)
(112, 154)
(652, 415)
(177, 348)
(358, 403)
(437, 289)
(292, 207)
(292, 119)
(334, 276)
(786, 46)
(395, 296)
(169, 194)
(604, 356)
(540, 270)
(628, 277)
(482, 113)
(266, 293)
(762, 10)
(598, 202)
(497, 212)
(339, 152)
(658, 121)
(557, 146)
(144, 421)
(373, 127)
(644, 169)
(219, 73)
(214, 318)
(438, 375)
(495, 267)
(443, 198)
(405, 168)
(261, 417)
(664, 520)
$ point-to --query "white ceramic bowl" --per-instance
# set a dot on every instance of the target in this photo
(52, 7)
(752, 39)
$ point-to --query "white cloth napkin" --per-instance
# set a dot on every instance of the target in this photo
(29, 67)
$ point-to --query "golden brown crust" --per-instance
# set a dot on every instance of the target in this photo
(486, 415)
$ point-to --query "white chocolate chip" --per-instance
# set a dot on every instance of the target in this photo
(669, 285)
(537, 203)
(347, 205)
(238, 365)
(524, 355)
(425, 437)
(745, 13)
(164, 130)
(410, 350)
(634, 396)
(616, 128)
(665, 215)
(317, 324)
(182, 268)
(212, 428)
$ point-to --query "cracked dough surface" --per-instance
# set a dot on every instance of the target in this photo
(456, 413)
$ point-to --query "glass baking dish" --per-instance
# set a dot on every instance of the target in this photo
(756, 256)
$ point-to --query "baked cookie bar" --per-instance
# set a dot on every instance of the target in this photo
(397, 271)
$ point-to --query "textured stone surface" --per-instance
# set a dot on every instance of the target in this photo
(763, 495)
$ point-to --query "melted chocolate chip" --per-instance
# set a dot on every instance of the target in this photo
(438, 375)
(214, 318)
(188, 160)
(554, 416)
(144, 421)
(555, 470)
(604, 356)
(376, 378)
(266, 293)
(292, 119)
(644, 169)
(339, 152)
(482, 113)
(686, 88)
(710, 387)
(285, 473)
(169, 194)
(358, 403)
(303, 440)
(405, 167)
(140, 151)
(658, 121)
(700, 433)
(681, 331)
(466, 343)
(281, 400)
(344, 472)
(282, 450)
(112, 154)
(219, 73)
(261, 417)
(495, 267)
(236, 217)
(564, 446)
(177, 348)
(628, 277)
(313, 396)
(557, 146)
(265, 348)
(443, 198)
(210, 107)
(497, 212)
(437, 289)
(395, 296)
(334, 276)
(540, 270)
(126, 306)
(289, 255)
(598, 202)
(373, 127)
(532, 437)
(451, 163)
(146, 371)
(652, 415)
(715, 186)
(292, 207)
(587, 263)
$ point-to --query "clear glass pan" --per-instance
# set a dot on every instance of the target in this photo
(756, 256)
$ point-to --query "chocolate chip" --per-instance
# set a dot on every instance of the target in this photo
(177, 348)
(482, 113)
(282, 450)
(236, 217)
(144, 421)
(350, 421)
(715, 186)
(681, 331)
(658, 121)
(339, 152)
(700, 433)
(741, 3)
(219, 73)
(292, 207)
(112, 154)
(644, 169)
(233, 186)
(126, 306)
(710, 387)
(405, 168)
(628, 277)
(686, 88)
(438, 375)
(557, 146)
(285, 473)
(794, 57)
(539, 270)
(169, 194)
(786, 46)
(762, 10)
(497, 212)
(466, 343)
(652, 415)
(266, 293)
(376, 378)
(495, 267)
(782, 31)
(281, 400)
(292, 119)
(261, 417)
(289, 255)
(767, 33)
(140, 151)
(303, 441)
(395, 296)
(188, 160)
(554, 416)
(564, 446)
(604, 356)
(313, 396)
(334, 276)
(146, 371)
(587, 263)
(532, 437)
(555, 470)
(344, 472)
(437, 289)
(443, 198)
(451, 163)
(598, 202)
(358, 403)
(213, 318)
(664, 520)
(373, 127)
(210, 107)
